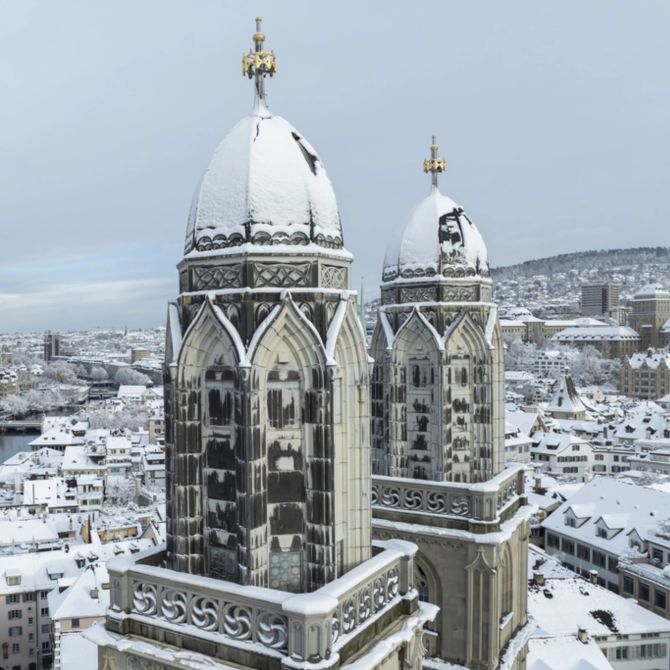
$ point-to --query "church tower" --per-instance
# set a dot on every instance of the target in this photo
(269, 561)
(438, 434)
(438, 380)
(267, 402)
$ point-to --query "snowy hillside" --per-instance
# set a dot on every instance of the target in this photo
(553, 285)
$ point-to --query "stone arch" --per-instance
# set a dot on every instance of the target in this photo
(349, 374)
(288, 382)
(209, 339)
(468, 379)
(415, 439)
(506, 574)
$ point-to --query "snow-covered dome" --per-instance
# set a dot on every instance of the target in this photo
(265, 185)
(439, 238)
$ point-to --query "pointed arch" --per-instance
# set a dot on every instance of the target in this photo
(286, 325)
(464, 332)
(415, 331)
(506, 574)
(210, 329)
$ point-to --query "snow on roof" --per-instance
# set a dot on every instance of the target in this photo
(77, 652)
(611, 500)
(590, 606)
(42, 569)
(27, 531)
(651, 359)
(565, 653)
(437, 233)
(265, 183)
(56, 436)
(596, 334)
(651, 291)
(53, 492)
(88, 596)
(554, 443)
(131, 391)
(566, 398)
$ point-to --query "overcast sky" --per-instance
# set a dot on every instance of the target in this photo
(552, 116)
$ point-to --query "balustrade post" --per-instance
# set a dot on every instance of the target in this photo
(406, 564)
(121, 596)
(310, 626)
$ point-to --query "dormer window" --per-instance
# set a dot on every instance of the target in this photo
(601, 532)
(570, 521)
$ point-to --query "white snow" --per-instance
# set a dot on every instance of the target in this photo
(261, 174)
(418, 246)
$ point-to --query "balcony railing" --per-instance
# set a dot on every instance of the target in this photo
(478, 501)
(307, 628)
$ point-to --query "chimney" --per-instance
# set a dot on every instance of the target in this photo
(593, 576)
(582, 635)
(538, 578)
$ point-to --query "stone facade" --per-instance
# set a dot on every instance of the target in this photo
(438, 440)
(269, 562)
(438, 382)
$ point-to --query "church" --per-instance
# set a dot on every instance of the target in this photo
(311, 492)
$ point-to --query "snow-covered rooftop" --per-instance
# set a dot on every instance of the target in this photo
(620, 506)
(593, 607)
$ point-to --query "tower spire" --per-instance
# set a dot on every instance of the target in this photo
(258, 63)
(434, 164)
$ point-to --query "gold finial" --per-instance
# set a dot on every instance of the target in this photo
(258, 63)
(435, 165)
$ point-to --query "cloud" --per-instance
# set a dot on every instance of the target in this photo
(80, 304)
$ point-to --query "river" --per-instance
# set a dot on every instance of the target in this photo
(12, 443)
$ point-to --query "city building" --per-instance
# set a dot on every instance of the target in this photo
(51, 347)
(598, 299)
(562, 454)
(438, 431)
(566, 402)
(645, 574)
(269, 560)
(651, 311)
(576, 616)
(610, 341)
(77, 608)
(604, 521)
(646, 375)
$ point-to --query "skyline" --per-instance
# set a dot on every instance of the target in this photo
(114, 111)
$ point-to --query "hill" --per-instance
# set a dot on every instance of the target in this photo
(553, 285)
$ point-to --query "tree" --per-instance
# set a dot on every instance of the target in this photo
(99, 374)
(14, 405)
(520, 355)
(81, 371)
(130, 377)
(61, 372)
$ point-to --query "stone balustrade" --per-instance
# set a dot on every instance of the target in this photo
(477, 501)
(301, 629)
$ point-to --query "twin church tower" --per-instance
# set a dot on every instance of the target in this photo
(302, 476)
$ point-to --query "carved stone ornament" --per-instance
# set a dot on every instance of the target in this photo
(333, 277)
(210, 278)
(418, 294)
(281, 274)
(459, 294)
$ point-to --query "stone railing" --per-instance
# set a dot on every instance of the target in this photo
(479, 501)
(299, 628)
